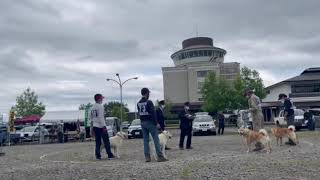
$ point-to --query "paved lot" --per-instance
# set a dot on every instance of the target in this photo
(213, 157)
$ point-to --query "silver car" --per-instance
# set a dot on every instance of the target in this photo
(203, 124)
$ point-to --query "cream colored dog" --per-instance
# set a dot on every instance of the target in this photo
(116, 143)
(163, 138)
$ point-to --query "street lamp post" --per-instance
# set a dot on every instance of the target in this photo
(120, 83)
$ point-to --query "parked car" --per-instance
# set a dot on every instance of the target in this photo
(203, 124)
(125, 125)
(135, 130)
(32, 133)
(299, 121)
(113, 125)
(244, 119)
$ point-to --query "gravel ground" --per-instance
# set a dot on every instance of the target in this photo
(213, 157)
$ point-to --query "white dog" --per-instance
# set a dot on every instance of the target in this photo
(164, 138)
(116, 143)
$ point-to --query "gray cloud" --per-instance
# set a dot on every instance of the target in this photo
(65, 49)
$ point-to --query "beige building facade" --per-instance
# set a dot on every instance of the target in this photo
(193, 62)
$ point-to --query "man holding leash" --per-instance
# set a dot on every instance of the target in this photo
(288, 112)
(99, 128)
(149, 125)
(256, 113)
(186, 126)
(161, 118)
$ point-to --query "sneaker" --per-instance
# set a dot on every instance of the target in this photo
(162, 159)
(167, 148)
(190, 147)
(148, 158)
(181, 148)
(98, 158)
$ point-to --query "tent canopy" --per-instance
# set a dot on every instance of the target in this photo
(27, 119)
(63, 116)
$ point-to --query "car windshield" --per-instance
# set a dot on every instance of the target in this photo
(29, 129)
(136, 122)
(298, 112)
(203, 119)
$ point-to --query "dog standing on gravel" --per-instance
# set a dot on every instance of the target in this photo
(164, 138)
(252, 136)
(116, 142)
(289, 132)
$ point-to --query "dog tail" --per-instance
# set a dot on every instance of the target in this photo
(273, 131)
(263, 132)
(292, 128)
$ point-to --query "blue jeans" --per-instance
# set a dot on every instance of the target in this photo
(150, 127)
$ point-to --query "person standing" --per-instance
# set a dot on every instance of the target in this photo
(256, 114)
(185, 126)
(255, 110)
(98, 124)
(149, 125)
(288, 112)
(160, 116)
(221, 123)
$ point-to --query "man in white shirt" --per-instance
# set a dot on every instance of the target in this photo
(98, 124)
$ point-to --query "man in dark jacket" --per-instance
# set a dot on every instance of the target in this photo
(160, 116)
(288, 112)
(149, 125)
(185, 126)
(221, 122)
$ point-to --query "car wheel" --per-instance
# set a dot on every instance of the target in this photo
(214, 133)
(194, 134)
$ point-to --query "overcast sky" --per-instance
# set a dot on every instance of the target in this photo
(64, 50)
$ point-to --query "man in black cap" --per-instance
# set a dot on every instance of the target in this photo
(149, 125)
(288, 112)
(186, 126)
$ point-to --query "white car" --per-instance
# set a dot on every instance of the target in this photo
(32, 133)
(203, 123)
(135, 129)
(299, 121)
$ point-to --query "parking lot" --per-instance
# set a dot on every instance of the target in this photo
(213, 157)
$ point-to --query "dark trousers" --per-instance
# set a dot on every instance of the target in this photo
(185, 132)
(105, 137)
(221, 129)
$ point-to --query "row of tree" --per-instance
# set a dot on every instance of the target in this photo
(221, 95)
(111, 109)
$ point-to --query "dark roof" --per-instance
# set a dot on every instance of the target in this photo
(310, 74)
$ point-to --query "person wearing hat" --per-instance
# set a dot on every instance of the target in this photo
(288, 112)
(99, 128)
(185, 126)
(149, 125)
(254, 103)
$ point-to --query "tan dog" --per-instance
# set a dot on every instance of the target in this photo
(289, 132)
(163, 138)
(252, 136)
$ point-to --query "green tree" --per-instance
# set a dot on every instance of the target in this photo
(217, 93)
(113, 109)
(27, 104)
(220, 95)
(83, 106)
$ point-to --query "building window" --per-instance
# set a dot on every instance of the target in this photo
(200, 99)
(306, 88)
(198, 53)
(201, 74)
